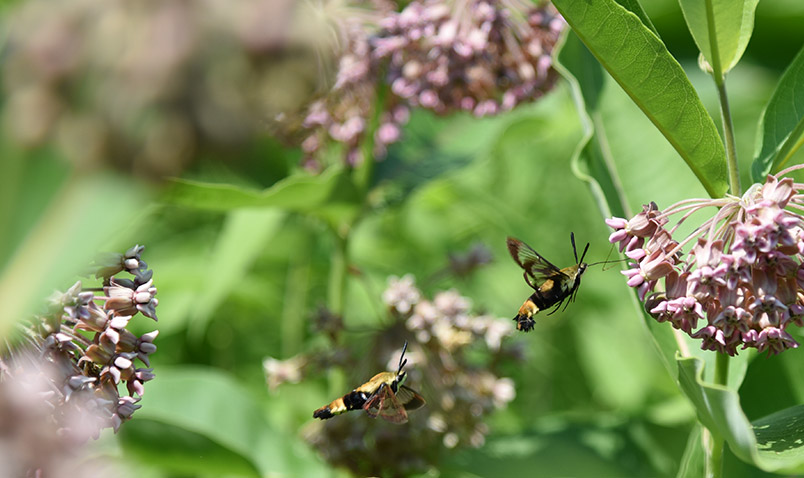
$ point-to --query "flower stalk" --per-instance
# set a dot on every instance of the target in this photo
(714, 452)
(336, 296)
(728, 136)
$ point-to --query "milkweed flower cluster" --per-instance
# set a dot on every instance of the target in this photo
(742, 278)
(460, 391)
(481, 56)
(478, 56)
(78, 355)
(446, 319)
(343, 114)
(41, 437)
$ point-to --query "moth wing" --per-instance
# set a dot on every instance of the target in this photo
(409, 398)
(385, 404)
(534, 264)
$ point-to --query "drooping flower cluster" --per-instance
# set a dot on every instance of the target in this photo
(145, 86)
(479, 56)
(460, 392)
(344, 113)
(77, 355)
(743, 276)
(482, 56)
(43, 437)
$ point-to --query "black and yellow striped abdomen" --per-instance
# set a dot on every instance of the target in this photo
(357, 398)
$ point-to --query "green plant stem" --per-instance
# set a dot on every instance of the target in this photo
(295, 302)
(722, 369)
(364, 174)
(725, 111)
(713, 466)
(336, 290)
(717, 68)
(714, 443)
(728, 133)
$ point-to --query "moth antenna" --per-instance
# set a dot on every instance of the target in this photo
(401, 361)
(584, 253)
(574, 250)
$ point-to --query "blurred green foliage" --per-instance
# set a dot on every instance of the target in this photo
(241, 281)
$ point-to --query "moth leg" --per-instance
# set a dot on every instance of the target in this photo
(527, 279)
(372, 405)
(557, 306)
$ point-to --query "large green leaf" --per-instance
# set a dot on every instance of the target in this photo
(331, 195)
(654, 80)
(79, 219)
(781, 128)
(185, 453)
(214, 413)
(692, 462)
(720, 28)
(635, 7)
(780, 438)
(245, 235)
(592, 161)
(772, 443)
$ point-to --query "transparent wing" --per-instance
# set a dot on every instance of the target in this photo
(535, 265)
(409, 399)
(385, 404)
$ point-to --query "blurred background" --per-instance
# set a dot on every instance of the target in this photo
(291, 266)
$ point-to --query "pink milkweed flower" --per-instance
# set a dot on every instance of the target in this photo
(743, 275)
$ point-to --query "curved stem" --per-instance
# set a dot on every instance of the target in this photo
(714, 444)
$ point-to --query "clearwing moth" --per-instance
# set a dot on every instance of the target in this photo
(383, 395)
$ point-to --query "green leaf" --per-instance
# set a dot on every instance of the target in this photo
(591, 161)
(777, 445)
(692, 462)
(720, 28)
(331, 195)
(635, 7)
(779, 437)
(64, 239)
(183, 452)
(781, 128)
(654, 80)
(217, 410)
(244, 237)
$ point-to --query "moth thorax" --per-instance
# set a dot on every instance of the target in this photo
(399, 380)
